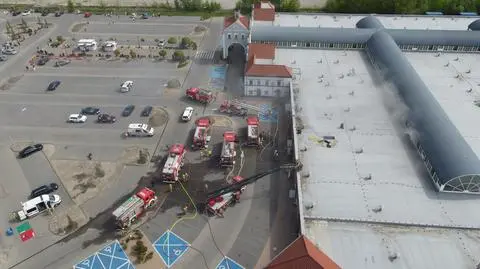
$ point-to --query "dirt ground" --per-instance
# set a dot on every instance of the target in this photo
(159, 117)
(67, 220)
(154, 263)
(221, 121)
(83, 180)
(131, 156)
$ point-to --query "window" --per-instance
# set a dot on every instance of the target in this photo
(250, 82)
(258, 82)
(236, 36)
(265, 93)
(251, 92)
(31, 210)
(229, 36)
(308, 45)
(266, 82)
(279, 83)
(243, 36)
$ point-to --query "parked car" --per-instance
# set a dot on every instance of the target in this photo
(29, 150)
(45, 13)
(62, 63)
(43, 60)
(9, 51)
(44, 189)
(16, 13)
(26, 12)
(90, 111)
(127, 111)
(126, 86)
(77, 118)
(58, 13)
(53, 85)
(162, 43)
(3, 58)
(147, 111)
(145, 16)
(87, 14)
(106, 118)
(187, 113)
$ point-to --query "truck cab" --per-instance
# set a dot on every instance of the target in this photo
(140, 129)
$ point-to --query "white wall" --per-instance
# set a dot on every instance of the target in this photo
(267, 86)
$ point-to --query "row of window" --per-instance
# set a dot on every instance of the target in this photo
(320, 45)
(235, 36)
(431, 171)
(266, 82)
(258, 92)
(302, 44)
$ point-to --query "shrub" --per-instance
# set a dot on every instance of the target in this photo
(186, 42)
(162, 53)
(178, 56)
(116, 52)
(133, 54)
(182, 64)
(172, 40)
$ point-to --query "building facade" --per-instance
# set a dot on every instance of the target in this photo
(236, 30)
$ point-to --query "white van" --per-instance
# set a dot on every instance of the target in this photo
(38, 205)
(187, 114)
(140, 129)
(126, 86)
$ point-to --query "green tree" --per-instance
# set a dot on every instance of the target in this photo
(211, 6)
(70, 6)
(162, 53)
(172, 40)
(178, 55)
(290, 5)
(186, 42)
(60, 39)
(116, 52)
(177, 4)
(133, 54)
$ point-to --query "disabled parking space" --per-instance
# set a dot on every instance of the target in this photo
(170, 247)
(267, 113)
(227, 263)
(218, 74)
(111, 256)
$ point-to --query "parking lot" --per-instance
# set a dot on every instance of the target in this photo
(31, 114)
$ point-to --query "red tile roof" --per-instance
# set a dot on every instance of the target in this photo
(262, 51)
(302, 254)
(263, 14)
(231, 20)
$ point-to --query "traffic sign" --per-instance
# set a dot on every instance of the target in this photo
(227, 263)
(111, 256)
(170, 247)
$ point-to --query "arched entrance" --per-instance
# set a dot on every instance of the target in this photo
(234, 82)
(237, 53)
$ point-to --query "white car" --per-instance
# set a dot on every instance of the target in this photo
(187, 113)
(9, 51)
(77, 118)
(162, 43)
(26, 12)
(126, 86)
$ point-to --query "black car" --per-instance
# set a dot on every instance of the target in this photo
(128, 110)
(61, 63)
(147, 111)
(53, 85)
(58, 13)
(105, 118)
(43, 60)
(29, 150)
(45, 13)
(44, 189)
(16, 13)
(90, 111)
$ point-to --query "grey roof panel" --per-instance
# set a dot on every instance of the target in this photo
(369, 22)
(475, 25)
(447, 150)
(435, 37)
(311, 34)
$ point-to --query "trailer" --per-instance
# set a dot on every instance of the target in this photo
(253, 131)
(174, 163)
(227, 157)
(201, 136)
(132, 209)
(200, 95)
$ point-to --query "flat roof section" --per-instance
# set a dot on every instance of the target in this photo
(454, 81)
(389, 22)
(371, 166)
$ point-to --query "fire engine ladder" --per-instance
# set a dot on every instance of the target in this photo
(247, 106)
(238, 185)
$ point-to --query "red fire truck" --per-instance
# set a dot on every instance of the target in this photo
(200, 95)
(253, 128)
(201, 137)
(174, 163)
(217, 205)
(227, 157)
(128, 212)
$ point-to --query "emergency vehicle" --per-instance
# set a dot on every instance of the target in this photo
(201, 137)
(128, 212)
(174, 163)
(36, 206)
(253, 126)
(200, 95)
(227, 157)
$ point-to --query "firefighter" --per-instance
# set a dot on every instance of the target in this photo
(185, 177)
(220, 212)
(90, 156)
(170, 187)
(185, 209)
(209, 153)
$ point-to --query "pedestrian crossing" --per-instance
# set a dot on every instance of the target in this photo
(205, 56)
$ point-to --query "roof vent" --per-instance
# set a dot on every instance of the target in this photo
(329, 97)
(315, 17)
(341, 76)
(349, 17)
(351, 72)
(303, 149)
(352, 93)
(393, 256)
(327, 84)
(358, 151)
(447, 64)
(457, 76)
(367, 177)
(346, 109)
(468, 71)
(361, 81)
(433, 18)
(416, 19)
(456, 59)
(469, 90)
(353, 128)
(321, 76)
(298, 25)
(437, 54)
(309, 206)
(306, 174)
(294, 62)
(319, 62)
(296, 16)
(336, 61)
(377, 209)
(342, 126)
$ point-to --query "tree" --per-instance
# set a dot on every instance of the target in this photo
(178, 55)
(186, 42)
(10, 31)
(60, 39)
(177, 4)
(133, 54)
(116, 52)
(172, 40)
(162, 53)
(70, 6)
(290, 5)
(211, 6)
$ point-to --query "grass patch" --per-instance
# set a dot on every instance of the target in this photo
(183, 63)
(81, 176)
(99, 172)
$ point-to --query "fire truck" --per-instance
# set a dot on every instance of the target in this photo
(218, 200)
(174, 163)
(128, 212)
(200, 95)
(227, 157)
(201, 137)
(253, 126)
(232, 108)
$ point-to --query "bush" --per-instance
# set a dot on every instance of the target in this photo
(182, 63)
(142, 157)
(211, 6)
(162, 53)
(148, 256)
(99, 172)
(60, 39)
(186, 42)
(172, 40)
(178, 55)
(116, 52)
(133, 54)
(70, 6)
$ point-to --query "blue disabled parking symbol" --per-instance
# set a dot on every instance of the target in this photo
(227, 263)
(170, 247)
(111, 256)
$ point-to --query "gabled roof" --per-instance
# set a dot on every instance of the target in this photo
(242, 20)
(261, 51)
(263, 11)
(302, 254)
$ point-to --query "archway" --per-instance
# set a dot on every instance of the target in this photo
(236, 69)
(236, 53)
